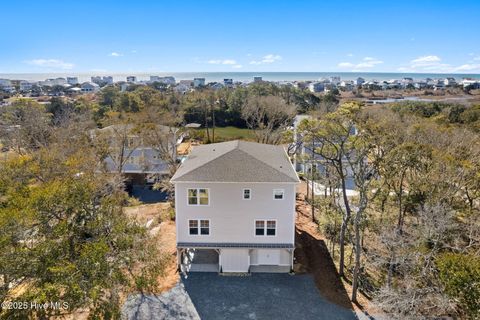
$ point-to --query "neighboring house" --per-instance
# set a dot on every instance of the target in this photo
(25, 85)
(450, 82)
(130, 154)
(72, 80)
(257, 79)
(228, 83)
(166, 80)
(235, 208)
(359, 81)
(316, 87)
(198, 82)
(305, 159)
(132, 79)
(88, 87)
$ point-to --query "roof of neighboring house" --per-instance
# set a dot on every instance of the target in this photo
(236, 161)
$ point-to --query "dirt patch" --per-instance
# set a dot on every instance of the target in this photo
(312, 256)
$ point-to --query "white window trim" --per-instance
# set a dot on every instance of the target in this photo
(279, 190)
(198, 198)
(243, 194)
(199, 227)
(265, 228)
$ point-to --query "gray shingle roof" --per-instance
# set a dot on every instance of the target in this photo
(236, 161)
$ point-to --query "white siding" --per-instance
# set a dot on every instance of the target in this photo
(234, 260)
(232, 219)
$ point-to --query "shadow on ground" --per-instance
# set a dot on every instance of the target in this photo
(313, 254)
(260, 296)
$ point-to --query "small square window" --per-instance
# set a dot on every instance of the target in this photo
(278, 194)
(247, 194)
(193, 226)
(204, 227)
(259, 228)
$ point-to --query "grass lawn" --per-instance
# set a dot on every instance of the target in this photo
(230, 133)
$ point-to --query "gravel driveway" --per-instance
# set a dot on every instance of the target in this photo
(260, 296)
(256, 296)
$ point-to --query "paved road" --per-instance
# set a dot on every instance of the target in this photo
(210, 296)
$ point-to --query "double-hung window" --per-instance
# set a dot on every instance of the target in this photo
(247, 194)
(198, 197)
(265, 227)
(199, 227)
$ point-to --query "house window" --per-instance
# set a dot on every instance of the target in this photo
(271, 227)
(205, 227)
(278, 194)
(265, 227)
(247, 194)
(198, 197)
(199, 227)
(259, 228)
(193, 226)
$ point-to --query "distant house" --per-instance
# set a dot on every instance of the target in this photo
(25, 85)
(166, 80)
(359, 81)
(132, 79)
(450, 82)
(235, 208)
(72, 80)
(89, 87)
(257, 79)
(471, 83)
(316, 87)
(6, 85)
(346, 84)
(228, 82)
(198, 82)
(139, 160)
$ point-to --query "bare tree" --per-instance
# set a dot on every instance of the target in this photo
(268, 117)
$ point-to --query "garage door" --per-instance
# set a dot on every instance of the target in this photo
(268, 257)
(234, 260)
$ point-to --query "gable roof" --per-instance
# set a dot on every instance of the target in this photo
(236, 161)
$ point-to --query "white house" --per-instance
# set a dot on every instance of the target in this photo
(90, 87)
(450, 82)
(235, 208)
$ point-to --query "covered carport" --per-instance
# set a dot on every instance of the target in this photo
(198, 259)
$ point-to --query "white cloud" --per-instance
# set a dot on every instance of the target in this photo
(237, 66)
(468, 67)
(115, 54)
(269, 58)
(366, 63)
(349, 54)
(225, 61)
(434, 64)
(345, 65)
(477, 58)
(51, 63)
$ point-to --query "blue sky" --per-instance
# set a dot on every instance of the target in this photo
(122, 36)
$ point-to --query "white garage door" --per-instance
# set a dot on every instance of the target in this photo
(268, 257)
(234, 260)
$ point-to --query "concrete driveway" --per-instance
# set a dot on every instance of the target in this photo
(260, 296)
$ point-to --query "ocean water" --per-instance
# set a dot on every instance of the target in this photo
(240, 76)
